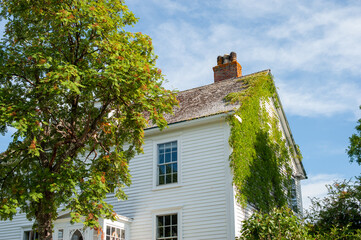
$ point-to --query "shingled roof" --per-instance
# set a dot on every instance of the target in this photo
(207, 100)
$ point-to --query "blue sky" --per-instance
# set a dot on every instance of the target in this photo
(312, 48)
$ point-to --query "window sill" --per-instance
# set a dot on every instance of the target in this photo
(167, 186)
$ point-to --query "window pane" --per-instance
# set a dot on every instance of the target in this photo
(167, 220)
(174, 220)
(108, 230)
(161, 169)
(167, 157)
(174, 231)
(161, 179)
(174, 156)
(168, 168)
(168, 178)
(161, 232)
(167, 231)
(161, 158)
(174, 179)
(174, 167)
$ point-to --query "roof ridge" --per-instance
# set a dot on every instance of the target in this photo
(243, 76)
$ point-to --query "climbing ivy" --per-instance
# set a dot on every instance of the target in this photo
(260, 159)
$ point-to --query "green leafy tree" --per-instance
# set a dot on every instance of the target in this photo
(340, 209)
(79, 89)
(354, 150)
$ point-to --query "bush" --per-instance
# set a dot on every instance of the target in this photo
(340, 209)
(278, 224)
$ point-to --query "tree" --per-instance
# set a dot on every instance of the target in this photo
(341, 208)
(79, 89)
(354, 150)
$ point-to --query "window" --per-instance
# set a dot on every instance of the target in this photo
(60, 234)
(167, 163)
(167, 227)
(115, 233)
(30, 235)
(294, 196)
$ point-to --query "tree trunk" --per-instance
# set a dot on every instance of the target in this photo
(44, 217)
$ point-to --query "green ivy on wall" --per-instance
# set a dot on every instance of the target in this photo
(260, 159)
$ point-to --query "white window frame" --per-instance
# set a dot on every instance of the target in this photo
(156, 142)
(168, 211)
(25, 229)
(111, 224)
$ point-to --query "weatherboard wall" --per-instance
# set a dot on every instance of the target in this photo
(203, 198)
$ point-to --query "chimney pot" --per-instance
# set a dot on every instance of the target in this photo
(227, 67)
(219, 60)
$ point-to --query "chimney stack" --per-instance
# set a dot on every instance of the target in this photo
(227, 67)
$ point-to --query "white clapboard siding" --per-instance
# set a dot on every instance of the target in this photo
(10, 230)
(202, 196)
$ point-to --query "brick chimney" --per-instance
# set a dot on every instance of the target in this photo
(227, 67)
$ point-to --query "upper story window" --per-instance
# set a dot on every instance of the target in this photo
(167, 163)
(294, 196)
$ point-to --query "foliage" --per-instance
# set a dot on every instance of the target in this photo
(259, 149)
(354, 150)
(341, 208)
(283, 224)
(78, 88)
(277, 224)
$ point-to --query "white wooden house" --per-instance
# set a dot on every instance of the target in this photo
(182, 184)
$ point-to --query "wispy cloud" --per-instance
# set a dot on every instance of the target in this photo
(315, 186)
(306, 38)
(329, 98)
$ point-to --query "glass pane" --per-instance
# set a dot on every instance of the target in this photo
(167, 157)
(161, 158)
(167, 231)
(113, 230)
(161, 180)
(174, 219)
(168, 168)
(161, 147)
(167, 220)
(161, 232)
(161, 169)
(108, 230)
(118, 232)
(160, 221)
(174, 156)
(123, 233)
(168, 178)
(107, 238)
(174, 167)
(174, 179)
(174, 230)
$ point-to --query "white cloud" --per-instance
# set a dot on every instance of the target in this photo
(328, 99)
(315, 186)
(319, 38)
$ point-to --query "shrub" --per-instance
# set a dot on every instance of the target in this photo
(278, 224)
